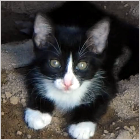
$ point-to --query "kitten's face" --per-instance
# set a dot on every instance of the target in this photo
(69, 68)
(68, 56)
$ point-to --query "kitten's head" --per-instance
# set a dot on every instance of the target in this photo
(68, 56)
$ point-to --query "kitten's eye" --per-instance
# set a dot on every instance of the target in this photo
(55, 63)
(81, 66)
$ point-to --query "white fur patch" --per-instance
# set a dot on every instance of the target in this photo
(37, 120)
(65, 100)
(69, 76)
(83, 130)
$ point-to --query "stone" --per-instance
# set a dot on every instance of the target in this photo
(15, 58)
(126, 5)
(23, 101)
(4, 101)
(14, 100)
(29, 136)
(127, 128)
(113, 123)
(117, 128)
(105, 131)
(124, 134)
(19, 133)
(104, 7)
(3, 96)
(8, 95)
(2, 113)
(132, 128)
(65, 134)
(112, 135)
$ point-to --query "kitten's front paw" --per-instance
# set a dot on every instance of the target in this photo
(83, 130)
(37, 120)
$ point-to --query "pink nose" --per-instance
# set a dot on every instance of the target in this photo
(67, 83)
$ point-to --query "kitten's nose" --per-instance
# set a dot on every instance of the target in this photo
(67, 81)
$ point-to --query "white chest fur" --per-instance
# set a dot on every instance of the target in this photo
(65, 100)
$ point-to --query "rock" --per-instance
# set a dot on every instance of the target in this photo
(12, 54)
(8, 95)
(2, 113)
(4, 101)
(124, 135)
(113, 123)
(126, 5)
(65, 134)
(19, 133)
(136, 137)
(3, 96)
(105, 131)
(14, 100)
(23, 101)
(127, 128)
(112, 135)
(104, 7)
(29, 136)
(117, 128)
(132, 128)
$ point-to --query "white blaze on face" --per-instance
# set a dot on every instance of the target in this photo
(69, 82)
(69, 74)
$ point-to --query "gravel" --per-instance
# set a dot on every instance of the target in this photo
(124, 135)
(19, 133)
(126, 104)
(2, 113)
(8, 94)
(14, 100)
(105, 131)
(29, 136)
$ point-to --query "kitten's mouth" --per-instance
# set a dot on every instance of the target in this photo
(66, 88)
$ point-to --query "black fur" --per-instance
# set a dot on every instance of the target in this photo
(83, 16)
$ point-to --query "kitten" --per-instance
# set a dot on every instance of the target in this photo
(76, 46)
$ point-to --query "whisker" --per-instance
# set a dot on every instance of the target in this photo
(85, 48)
(57, 43)
(52, 52)
(83, 53)
(84, 44)
(54, 47)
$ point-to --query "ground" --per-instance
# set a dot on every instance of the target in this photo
(119, 121)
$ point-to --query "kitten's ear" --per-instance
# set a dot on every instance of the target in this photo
(42, 29)
(98, 36)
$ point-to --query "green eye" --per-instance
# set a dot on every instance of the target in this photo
(82, 66)
(55, 63)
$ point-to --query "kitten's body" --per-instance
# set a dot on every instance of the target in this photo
(78, 34)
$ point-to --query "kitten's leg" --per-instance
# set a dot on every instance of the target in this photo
(84, 118)
(38, 113)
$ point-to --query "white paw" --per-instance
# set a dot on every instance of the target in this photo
(83, 130)
(37, 120)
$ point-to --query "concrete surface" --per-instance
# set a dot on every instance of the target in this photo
(16, 54)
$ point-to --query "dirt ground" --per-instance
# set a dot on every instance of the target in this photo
(13, 94)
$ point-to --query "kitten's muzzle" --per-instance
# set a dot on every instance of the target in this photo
(67, 82)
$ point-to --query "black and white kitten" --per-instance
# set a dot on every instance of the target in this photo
(76, 47)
